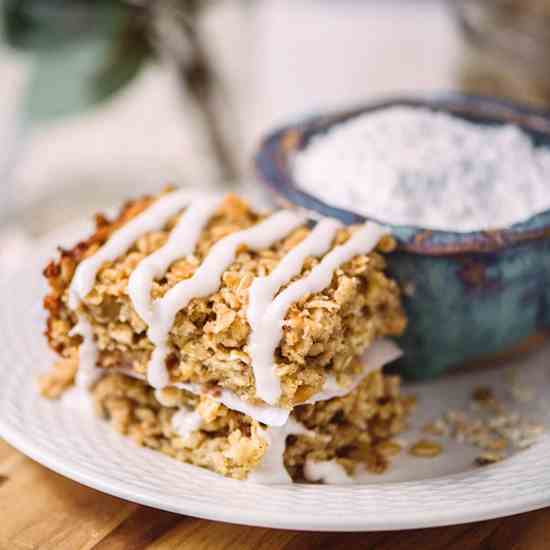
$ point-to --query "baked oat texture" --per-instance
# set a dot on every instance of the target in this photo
(353, 430)
(323, 332)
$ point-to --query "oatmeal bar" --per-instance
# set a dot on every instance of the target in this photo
(347, 433)
(211, 293)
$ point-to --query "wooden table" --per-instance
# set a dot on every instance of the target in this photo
(43, 510)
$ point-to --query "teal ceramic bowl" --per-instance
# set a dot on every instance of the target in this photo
(468, 296)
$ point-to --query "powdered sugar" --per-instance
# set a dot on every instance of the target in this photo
(411, 166)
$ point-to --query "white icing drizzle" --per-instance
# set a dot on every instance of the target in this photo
(87, 373)
(153, 218)
(261, 294)
(361, 242)
(182, 242)
(206, 280)
(159, 394)
(266, 313)
(266, 414)
(380, 353)
(83, 280)
(185, 422)
(157, 373)
(271, 469)
(328, 471)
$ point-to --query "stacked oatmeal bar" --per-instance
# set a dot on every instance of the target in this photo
(247, 343)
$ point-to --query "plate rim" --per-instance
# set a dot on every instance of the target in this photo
(113, 488)
(305, 520)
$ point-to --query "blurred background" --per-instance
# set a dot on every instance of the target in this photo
(104, 99)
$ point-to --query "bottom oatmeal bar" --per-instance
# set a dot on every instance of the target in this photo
(343, 433)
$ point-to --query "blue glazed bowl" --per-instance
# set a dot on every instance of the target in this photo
(468, 296)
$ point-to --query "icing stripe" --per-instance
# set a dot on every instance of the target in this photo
(381, 353)
(87, 373)
(261, 294)
(153, 218)
(206, 281)
(271, 469)
(266, 414)
(84, 278)
(361, 242)
(182, 242)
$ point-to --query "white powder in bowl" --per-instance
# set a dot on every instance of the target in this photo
(412, 166)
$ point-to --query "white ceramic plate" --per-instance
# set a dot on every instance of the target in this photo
(416, 493)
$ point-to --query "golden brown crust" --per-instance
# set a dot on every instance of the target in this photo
(59, 272)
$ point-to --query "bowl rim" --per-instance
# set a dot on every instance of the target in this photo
(272, 167)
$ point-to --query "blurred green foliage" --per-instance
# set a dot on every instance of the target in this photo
(83, 51)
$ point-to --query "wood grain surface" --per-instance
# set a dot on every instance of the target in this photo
(43, 510)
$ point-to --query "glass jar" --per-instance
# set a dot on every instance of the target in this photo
(507, 48)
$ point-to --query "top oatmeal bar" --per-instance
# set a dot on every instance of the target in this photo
(241, 305)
